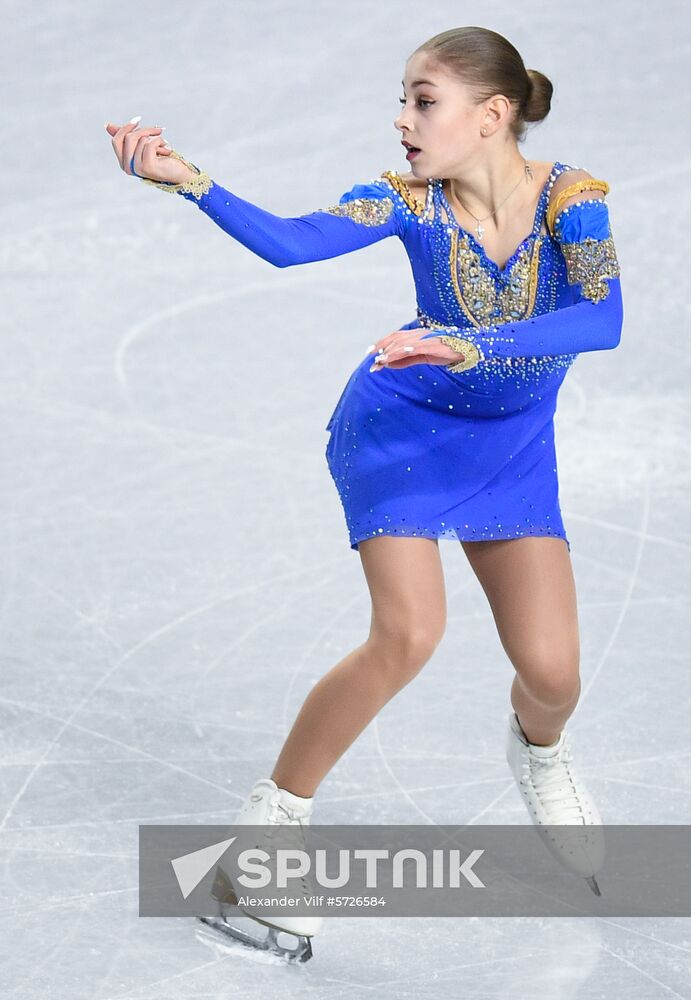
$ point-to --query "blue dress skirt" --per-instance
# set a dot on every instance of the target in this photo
(431, 452)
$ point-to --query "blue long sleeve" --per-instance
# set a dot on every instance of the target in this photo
(585, 326)
(364, 215)
(593, 323)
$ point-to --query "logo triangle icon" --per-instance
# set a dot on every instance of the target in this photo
(190, 869)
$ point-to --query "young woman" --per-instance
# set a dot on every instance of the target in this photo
(449, 433)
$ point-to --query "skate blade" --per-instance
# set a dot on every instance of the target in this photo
(301, 952)
(593, 885)
(223, 891)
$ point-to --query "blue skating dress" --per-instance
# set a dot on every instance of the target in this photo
(431, 452)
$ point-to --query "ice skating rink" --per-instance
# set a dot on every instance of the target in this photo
(176, 572)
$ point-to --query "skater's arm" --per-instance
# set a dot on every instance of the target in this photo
(364, 215)
(594, 321)
(587, 326)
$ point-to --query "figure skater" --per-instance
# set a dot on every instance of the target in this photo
(449, 433)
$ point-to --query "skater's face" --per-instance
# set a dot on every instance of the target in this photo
(441, 117)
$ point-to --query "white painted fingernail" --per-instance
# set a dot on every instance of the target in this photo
(382, 357)
(407, 348)
(133, 121)
(371, 347)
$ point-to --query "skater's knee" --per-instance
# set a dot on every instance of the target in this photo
(402, 652)
(550, 676)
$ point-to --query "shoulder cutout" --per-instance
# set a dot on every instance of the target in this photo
(570, 187)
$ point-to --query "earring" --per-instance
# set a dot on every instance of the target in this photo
(484, 131)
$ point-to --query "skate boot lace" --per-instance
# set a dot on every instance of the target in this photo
(281, 815)
(553, 781)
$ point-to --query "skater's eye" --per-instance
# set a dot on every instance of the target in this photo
(401, 100)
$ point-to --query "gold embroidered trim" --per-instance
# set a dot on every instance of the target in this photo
(471, 353)
(589, 263)
(532, 281)
(475, 288)
(478, 279)
(367, 211)
(196, 186)
(589, 184)
(400, 186)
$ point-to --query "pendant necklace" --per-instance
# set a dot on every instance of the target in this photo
(527, 175)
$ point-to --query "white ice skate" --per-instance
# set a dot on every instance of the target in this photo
(269, 806)
(555, 795)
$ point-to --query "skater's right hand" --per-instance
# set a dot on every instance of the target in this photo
(151, 159)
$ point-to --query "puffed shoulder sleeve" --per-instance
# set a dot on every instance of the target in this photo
(363, 215)
(578, 219)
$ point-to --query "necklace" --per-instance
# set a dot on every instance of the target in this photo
(527, 175)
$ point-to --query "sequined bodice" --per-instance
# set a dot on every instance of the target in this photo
(471, 290)
(440, 200)
(458, 285)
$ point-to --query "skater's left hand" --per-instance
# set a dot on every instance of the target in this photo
(398, 354)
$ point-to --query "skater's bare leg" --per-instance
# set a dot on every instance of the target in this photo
(406, 584)
(531, 590)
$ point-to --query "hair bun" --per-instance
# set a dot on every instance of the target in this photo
(538, 99)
